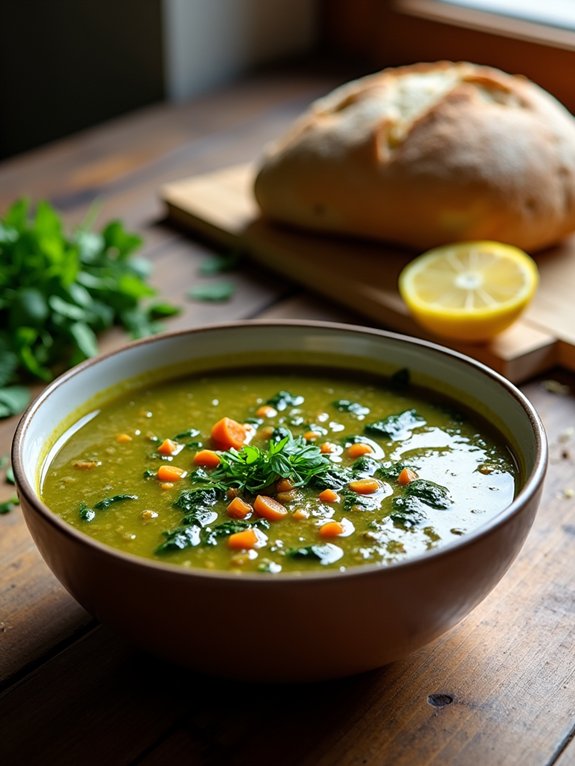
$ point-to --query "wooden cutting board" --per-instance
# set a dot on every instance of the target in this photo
(363, 275)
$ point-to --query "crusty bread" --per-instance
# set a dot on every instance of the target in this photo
(427, 154)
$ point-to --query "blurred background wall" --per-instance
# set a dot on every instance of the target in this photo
(69, 64)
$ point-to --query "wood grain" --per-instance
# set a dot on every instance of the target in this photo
(363, 275)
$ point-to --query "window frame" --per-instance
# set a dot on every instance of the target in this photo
(395, 32)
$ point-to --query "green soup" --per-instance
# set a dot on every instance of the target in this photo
(305, 470)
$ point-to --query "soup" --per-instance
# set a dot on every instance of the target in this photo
(279, 470)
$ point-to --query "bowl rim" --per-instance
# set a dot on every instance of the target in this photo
(531, 487)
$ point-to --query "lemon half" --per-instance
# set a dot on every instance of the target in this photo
(469, 291)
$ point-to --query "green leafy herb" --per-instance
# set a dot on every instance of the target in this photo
(198, 503)
(8, 505)
(411, 508)
(434, 495)
(326, 553)
(397, 426)
(227, 528)
(89, 514)
(284, 399)
(58, 291)
(218, 264)
(364, 467)
(9, 476)
(180, 538)
(212, 291)
(104, 504)
(86, 513)
(353, 501)
(253, 468)
(13, 399)
(344, 405)
(389, 470)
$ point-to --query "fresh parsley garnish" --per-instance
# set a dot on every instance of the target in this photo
(251, 468)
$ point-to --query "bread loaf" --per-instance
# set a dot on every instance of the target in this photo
(427, 154)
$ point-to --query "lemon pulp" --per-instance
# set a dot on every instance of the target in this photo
(469, 291)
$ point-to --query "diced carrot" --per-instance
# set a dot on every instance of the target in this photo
(300, 514)
(406, 476)
(228, 433)
(207, 458)
(286, 497)
(170, 473)
(266, 411)
(310, 436)
(247, 538)
(123, 438)
(269, 509)
(284, 485)
(331, 529)
(239, 509)
(364, 486)
(168, 447)
(327, 448)
(328, 496)
(358, 449)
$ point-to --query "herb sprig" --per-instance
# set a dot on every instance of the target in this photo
(59, 291)
(251, 468)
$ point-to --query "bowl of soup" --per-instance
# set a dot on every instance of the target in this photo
(280, 501)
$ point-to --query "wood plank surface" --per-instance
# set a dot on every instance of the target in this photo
(363, 275)
(498, 689)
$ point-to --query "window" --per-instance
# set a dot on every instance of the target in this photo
(529, 37)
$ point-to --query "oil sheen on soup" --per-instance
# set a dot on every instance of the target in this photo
(275, 471)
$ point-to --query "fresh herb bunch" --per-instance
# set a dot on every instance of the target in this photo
(252, 468)
(58, 291)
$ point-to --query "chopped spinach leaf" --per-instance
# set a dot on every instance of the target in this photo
(180, 538)
(397, 426)
(364, 466)
(389, 470)
(432, 494)
(344, 405)
(353, 501)
(227, 528)
(326, 553)
(198, 499)
(86, 513)
(102, 505)
(284, 399)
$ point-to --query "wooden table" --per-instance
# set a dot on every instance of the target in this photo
(498, 689)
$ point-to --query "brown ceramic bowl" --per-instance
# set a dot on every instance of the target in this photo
(289, 627)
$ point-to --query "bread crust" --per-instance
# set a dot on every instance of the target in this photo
(427, 154)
